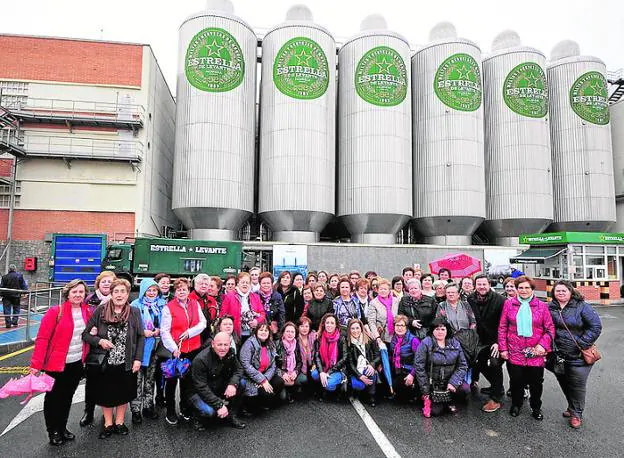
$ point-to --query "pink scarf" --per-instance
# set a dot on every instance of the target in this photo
(389, 317)
(329, 349)
(291, 359)
(305, 347)
(397, 352)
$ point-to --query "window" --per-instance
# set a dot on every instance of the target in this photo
(611, 250)
(193, 265)
(577, 249)
(114, 254)
(594, 250)
(612, 267)
(5, 194)
(14, 93)
(595, 261)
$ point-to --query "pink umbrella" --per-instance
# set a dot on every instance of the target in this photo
(460, 265)
(30, 384)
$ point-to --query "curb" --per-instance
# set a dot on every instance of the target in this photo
(14, 346)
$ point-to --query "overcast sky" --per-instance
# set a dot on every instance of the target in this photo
(597, 25)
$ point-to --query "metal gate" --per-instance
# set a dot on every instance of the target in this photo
(76, 256)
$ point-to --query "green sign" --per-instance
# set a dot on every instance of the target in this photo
(214, 61)
(300, 69)
(525, 90)
(562, 238)
(589, 98)
(457, 83)
(381, 77)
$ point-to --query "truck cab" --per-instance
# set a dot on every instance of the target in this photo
(118, 259)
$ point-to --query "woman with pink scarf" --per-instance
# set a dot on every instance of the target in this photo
(289, 362)
(329, 355)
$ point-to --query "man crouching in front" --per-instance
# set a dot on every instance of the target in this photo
(216, 389)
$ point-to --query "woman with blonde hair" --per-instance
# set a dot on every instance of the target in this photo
(101, 296)
(115, 333)
(60, 351)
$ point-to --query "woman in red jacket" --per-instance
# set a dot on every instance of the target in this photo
(60, 352)
(525, 336)
(244, 306)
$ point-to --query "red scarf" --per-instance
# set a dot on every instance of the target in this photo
(329, 349)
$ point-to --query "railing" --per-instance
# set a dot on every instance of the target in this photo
(38, 301)
(72, 147)
(75, 109)
(11, 142)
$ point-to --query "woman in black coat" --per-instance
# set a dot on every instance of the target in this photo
(115, 333)
(362, 359)
(418, 308)
(319, 306)
(293, 301)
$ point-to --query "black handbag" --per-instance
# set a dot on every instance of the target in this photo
(437, 395)
(97, 361)
(555, 363)
(162, 352)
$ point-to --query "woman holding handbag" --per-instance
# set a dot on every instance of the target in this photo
(440, 369)
(577, 327)
(115, 333)
(60, 352)
(181, 324)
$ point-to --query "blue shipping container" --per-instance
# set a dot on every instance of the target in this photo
(77, 256)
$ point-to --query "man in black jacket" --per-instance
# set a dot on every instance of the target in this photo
(216, 389)
(487, 306)
(11, 300)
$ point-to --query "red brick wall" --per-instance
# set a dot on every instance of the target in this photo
(614, 290)
(70, 61)
(34, 224)
(6, 168)
(591, 293)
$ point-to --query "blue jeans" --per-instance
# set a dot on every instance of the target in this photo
(359, 385)
(11, 305)
(574, 386)
(334, 381)
(202, 407)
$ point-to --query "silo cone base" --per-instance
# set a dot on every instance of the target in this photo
(374, 239)
(507, 241)
(213, 234)
(449, 240)
(296, 236)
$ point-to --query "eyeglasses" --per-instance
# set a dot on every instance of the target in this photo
(399, 325)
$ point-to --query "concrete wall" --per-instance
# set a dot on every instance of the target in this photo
(387, 261)
(154, 181)
(23, 249)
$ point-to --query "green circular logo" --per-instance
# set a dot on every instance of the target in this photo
(458, 82)
(214, 61)
(525, 90)
(300, 69)
(381, 77)
(589, 98)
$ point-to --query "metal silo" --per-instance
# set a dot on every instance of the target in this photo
(517, 141)
(617, 135)
(374, 125)
(213, 182)
(298, 128)
(582, 157)
(449, 182)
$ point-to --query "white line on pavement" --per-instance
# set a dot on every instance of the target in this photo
(376, 432)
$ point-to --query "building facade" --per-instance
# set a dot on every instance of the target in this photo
(95, 122)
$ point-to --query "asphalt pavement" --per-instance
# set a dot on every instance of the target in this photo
(336, 430)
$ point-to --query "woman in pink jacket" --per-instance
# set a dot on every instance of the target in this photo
(60, 352)
(244, 306)
(524, 337)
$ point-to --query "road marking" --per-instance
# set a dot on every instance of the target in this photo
(15, 353)
(381, 439)
(36, 405)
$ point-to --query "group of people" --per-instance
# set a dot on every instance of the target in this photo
(239, 349)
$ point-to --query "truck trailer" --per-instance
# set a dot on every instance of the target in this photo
(147, 257)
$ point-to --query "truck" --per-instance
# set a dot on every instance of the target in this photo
(147, 257)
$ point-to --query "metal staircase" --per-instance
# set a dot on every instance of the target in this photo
(616, 82)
